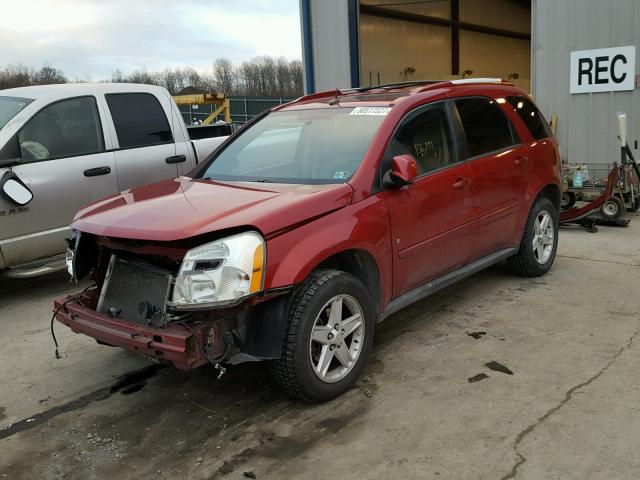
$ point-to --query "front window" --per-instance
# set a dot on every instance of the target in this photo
(9, 108)
(304, 146)
(67, 128)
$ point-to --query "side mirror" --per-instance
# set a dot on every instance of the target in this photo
(14, 190)
(404, 171)
(10, 153)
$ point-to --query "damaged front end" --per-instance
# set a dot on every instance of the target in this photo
(186, 303)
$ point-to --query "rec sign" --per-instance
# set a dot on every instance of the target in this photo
(603, 70)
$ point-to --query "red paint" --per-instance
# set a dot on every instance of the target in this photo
(439, 222)
(171, 343)
(404, 167)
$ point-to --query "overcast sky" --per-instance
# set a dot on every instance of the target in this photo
(88, 39)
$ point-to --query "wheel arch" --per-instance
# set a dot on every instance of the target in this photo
(362, 265)
(264, 326)
(552, 192)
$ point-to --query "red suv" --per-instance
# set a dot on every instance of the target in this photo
(316, 221)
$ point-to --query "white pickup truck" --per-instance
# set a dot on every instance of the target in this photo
(63, 146)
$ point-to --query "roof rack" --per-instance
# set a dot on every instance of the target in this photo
(388, 86)
(425, 84)
(464, 81)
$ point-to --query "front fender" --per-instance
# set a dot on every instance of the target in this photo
(292, 256)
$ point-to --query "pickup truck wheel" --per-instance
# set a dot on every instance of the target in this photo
(328, 338)
(539, 241)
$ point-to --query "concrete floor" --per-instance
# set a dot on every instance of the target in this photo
(568, 411)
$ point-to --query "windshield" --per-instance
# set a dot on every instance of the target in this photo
(9, 108)
(304, 146)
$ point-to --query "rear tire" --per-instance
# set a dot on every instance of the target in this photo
(319, 361)
(539, 241)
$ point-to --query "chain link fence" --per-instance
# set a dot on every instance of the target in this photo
(242, 109)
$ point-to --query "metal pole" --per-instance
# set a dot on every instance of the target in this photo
(246, 111)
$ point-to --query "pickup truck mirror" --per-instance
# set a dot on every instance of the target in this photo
(9, 162)
(14, 190)
(404, 171)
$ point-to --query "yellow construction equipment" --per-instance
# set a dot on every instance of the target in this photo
(218, 99)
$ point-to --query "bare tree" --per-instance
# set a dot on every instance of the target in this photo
(13, 76)
(260, 76)
(117, 76)
(224, 75)
(297, 84)
(48, 75)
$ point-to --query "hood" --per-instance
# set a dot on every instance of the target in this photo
(185, 207)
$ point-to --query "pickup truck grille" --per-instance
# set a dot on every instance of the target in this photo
(135, 291)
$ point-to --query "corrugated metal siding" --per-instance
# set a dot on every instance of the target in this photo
(587, 125)
(330, 44)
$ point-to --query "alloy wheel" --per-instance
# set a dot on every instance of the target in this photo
(543, 237)
(337, 338)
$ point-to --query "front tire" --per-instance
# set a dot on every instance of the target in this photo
(328, 338)
(539, 241)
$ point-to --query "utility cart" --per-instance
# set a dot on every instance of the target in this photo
(625, 194)
(605, 191)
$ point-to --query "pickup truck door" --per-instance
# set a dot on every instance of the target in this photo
(431, 218)
(147, 148)
(62, 156)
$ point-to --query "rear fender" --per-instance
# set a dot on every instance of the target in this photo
(533, 192)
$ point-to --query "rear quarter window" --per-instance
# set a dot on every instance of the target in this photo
(531, 116)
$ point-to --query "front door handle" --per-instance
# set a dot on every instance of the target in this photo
(521, 160)
(460, 183)
(176, 159)
(95, 172)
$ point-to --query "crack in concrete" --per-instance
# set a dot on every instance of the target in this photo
(568, 395)
(600, 260)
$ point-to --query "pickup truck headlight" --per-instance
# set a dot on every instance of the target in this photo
(222, 271)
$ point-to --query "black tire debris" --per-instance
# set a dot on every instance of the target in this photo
(498, 367)
(477, 378)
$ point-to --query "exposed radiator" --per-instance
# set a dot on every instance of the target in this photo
(135, 291)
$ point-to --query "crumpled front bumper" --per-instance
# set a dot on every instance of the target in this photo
(177, 344)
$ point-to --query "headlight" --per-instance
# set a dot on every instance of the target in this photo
(221, 271)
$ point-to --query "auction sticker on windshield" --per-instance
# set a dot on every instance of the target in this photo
(370, 111)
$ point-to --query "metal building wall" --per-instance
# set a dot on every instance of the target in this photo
(587, 125)
(326, 44)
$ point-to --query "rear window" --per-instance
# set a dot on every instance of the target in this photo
(531, 117)
(9, 108)
(486, 127)
(139, 119)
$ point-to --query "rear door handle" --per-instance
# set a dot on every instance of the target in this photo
(95, 172)
(176, 159)
(520, 160)
(460, 183)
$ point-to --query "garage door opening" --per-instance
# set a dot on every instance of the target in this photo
(405, 40)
